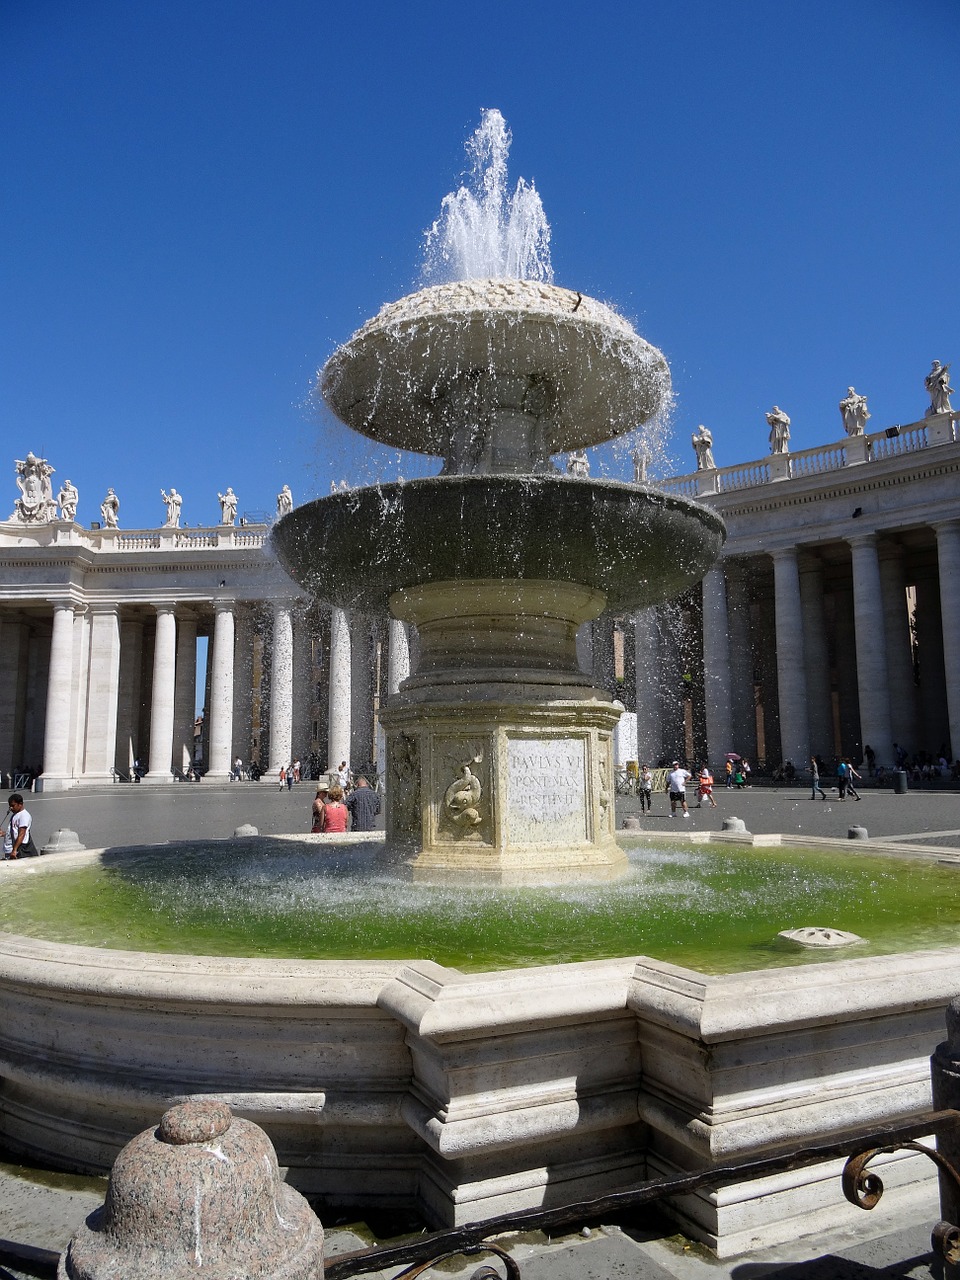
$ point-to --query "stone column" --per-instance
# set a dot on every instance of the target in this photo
(817, 655)
(302, 688)
(903, 689)
(743, 710)
(243, 687)
(646, 631)
(14, 649)
(398, 655)
(948, 558)
(56, 734)
(338, 739)
(103, 691)
(185, 691)
(791, 664)
(221, 693)
(716, 667)
(162, 697)
(934, 718)
(871, 643)
(128, 708)
(281, 688)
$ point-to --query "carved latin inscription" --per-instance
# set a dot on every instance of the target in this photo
(546, 780)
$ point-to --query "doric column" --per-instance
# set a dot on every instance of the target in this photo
(103, 691)
(14, 651)
(871, 643)
(398, 655)
(300, 736)
(743, 710)
(185, 691)
(903, 689)
(716, 666)
(162, 696)
(791, 668)
(56, 734)
(817, 659)
(338, 739)
(243, 686)
(933, 717)
(281, 688)
(221, 693)
(128, 708)
(948, 558)
(646, 632)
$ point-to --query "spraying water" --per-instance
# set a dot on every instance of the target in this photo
(484, 232)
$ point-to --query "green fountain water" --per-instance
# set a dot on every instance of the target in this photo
(712, 909)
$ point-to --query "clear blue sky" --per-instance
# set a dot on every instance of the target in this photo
(203, 199)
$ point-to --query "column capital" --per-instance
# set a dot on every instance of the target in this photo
(946, 527)
(784, 553)
(104, 606)
(165, 607)
(224, 606)
(869, 539)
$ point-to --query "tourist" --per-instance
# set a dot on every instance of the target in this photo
(343, 775)
(815, 780)
(296, 770)
(850, 775)
(871, 758)
(333, 816)
(745, 770)
(364, 805)
(283, 776)
(728, 770)
(289, 776)
(677, 781)
(317, 810)
(17, 837)
(645, 787)
(705, 788)
(841, 779)
(237, 774)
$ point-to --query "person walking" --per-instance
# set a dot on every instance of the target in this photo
(842, 779)
(705, 788)
(728, 770)
(677, 781)
(815, 780)
(851, 774)
(17, 835)
(645, 787)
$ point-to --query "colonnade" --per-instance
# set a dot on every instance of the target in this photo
(88, 689)
(828, 649)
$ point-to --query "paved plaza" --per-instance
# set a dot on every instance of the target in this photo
(125, 814)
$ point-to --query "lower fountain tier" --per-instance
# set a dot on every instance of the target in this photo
(499, 751)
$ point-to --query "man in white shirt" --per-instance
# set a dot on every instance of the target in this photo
(17, 834)
(677, 780)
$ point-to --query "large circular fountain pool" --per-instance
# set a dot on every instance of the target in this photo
(708, 908)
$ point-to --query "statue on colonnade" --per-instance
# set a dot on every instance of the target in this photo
(284, 502)
(173, 502)
(937, 383)
(779, 425)
(641, 462)
(68, 497)
(853, 411)
(36, 503)
(578, 464)
(110, 510)
(702, 441)
(228, 506)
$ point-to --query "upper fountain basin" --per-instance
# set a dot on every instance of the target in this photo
(408, 377)
(635, 544)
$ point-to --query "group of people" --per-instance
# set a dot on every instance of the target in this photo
(676, 788)
(333, 807)
(846, 774)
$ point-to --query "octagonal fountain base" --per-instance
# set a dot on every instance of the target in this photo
(500, 753)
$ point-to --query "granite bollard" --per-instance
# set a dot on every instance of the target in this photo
(202, 1190)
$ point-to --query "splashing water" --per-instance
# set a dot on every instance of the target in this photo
(484, 232)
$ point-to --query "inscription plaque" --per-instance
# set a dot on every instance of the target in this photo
(546, 786)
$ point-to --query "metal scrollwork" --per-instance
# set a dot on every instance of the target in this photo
(864, 1188)
(486, 1272)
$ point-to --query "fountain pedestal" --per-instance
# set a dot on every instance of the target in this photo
(499, 751)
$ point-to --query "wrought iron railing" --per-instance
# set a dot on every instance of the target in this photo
(860, 1185)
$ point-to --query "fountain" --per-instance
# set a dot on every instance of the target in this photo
(499, 749)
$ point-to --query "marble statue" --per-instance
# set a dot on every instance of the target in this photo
(110, 510)
(461, 798)
(641, 461)
(173, 502)
(68, 497)
(284, 502)
(853, 410)
(578, 464)
(36, 503)
(937, 383)
(779, 430)
(228, 506)
(702, 441)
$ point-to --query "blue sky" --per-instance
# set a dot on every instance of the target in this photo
(202, 200)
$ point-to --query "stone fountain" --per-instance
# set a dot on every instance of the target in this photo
(499, 748)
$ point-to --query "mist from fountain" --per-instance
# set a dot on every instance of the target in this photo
(484, 231)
